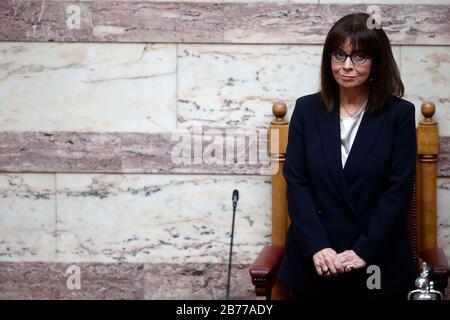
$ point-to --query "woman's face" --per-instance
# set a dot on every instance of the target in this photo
(349, 75)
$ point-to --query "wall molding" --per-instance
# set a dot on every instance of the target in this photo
(125, 280)
(134, 152)
(129, 152)
(190, 22)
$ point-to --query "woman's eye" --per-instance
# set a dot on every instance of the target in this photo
(359, 56)
(339, 54)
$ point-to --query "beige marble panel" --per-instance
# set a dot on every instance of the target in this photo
(226, 85)
(160, 218)
(87, 87)
(27, 217)
(426, 75)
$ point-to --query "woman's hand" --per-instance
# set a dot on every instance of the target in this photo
(326, 263)
(349, 260)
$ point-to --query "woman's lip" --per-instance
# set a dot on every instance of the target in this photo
(347, 79)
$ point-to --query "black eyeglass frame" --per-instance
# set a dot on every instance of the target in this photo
(366, 56)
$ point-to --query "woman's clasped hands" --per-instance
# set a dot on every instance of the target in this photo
(329, 263)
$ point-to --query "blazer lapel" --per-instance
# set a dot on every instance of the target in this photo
(369, 128)
(330, 134)
(329, 127)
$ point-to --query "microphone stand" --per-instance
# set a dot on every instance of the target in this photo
(235, 200)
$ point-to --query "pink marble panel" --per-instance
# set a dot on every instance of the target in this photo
(41, 280)
(444, 157)
(130, 152)
(205, 22)
(124, 153)
(158, 22)
(59, 152)
(45, 20)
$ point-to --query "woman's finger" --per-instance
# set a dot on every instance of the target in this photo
(349, 268)
(318, 263)
(338, 265)
(330, 269)
(318, 270)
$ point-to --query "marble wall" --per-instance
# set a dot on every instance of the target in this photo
(88, 87)
(39, 280)
(443, 205)
(210, 22)
(132, 236)
(85, 137)
(425, 71)
(131, 218)
(27, 217)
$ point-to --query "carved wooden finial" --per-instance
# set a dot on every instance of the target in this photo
(428, 109)
(279, 110)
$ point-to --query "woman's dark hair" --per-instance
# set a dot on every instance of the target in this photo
(386, 81)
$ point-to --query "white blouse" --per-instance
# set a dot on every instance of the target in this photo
(349, 127)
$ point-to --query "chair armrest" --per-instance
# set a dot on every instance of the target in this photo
(441, 271)
(263, 270)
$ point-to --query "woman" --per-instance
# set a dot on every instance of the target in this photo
(350, 166)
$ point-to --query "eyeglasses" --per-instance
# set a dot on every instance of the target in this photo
(340, 56)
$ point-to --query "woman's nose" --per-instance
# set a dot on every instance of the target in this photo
(348, 64)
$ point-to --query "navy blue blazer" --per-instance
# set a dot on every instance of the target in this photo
(362, 207)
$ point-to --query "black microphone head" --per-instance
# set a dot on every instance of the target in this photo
(235, 195)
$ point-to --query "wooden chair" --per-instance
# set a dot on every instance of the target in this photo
(422, 220)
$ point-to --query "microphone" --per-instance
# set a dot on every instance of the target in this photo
(235, 199)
